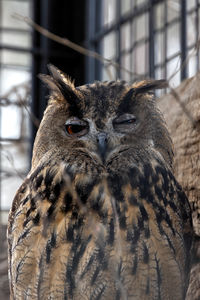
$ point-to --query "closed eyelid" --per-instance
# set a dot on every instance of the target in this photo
(124, 118)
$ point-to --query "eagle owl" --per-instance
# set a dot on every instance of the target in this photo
(100, 215)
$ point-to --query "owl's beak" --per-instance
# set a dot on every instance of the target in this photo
(102, 141)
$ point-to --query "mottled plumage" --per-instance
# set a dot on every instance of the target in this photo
(100, 215)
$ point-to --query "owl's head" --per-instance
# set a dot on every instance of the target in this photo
(100, 121)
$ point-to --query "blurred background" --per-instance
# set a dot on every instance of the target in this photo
(146, 38)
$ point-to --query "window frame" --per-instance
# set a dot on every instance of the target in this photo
(96, 32)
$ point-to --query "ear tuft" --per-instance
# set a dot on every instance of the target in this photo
(60, 76)
(49, 82)
(63, 89)
(60, 83)
(148, 85)
(64, 84)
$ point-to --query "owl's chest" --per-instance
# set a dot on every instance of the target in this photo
(101, 236)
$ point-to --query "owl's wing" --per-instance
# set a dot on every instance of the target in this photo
(16, 202)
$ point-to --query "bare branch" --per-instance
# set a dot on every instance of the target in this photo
(74, 46)
(10, 159)
(5, 99)
(21, 101)
(107, 62)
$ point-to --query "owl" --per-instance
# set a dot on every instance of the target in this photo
(100, 215)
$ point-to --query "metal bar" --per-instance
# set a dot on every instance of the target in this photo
(13, 140)
(35, 92)
(183, 34)
(128, 17)
(165, 38)
(197, 31)
(118, 39)
(89, 43)
(15, 30)
(151, 41)
(17, 49)
(98, 46)
(0, 132)
(159, 64)
(168, 59)
(168, 24)
(123, 19)
(131, 43)
(19, 1)
(38, 51)
(136, 44)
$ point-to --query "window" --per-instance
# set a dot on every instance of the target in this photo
(150, 38)
(15, 64)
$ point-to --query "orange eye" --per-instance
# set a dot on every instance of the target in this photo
(70, 129)
(74, 128)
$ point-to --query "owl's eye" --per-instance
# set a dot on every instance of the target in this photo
(126, 119)
(129, 121)
(76, 128)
